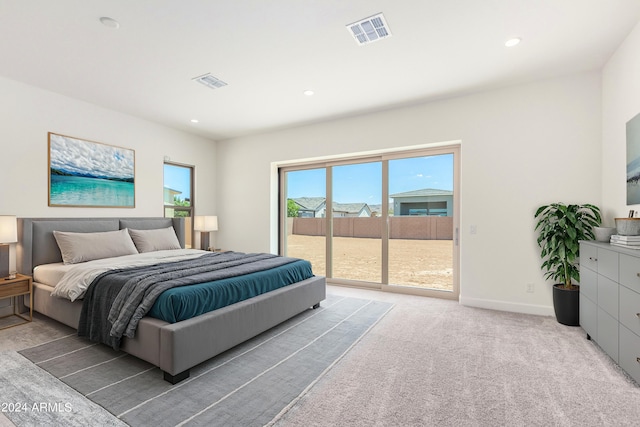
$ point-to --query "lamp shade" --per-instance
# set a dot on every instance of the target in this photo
(206, 223)
(8, 229)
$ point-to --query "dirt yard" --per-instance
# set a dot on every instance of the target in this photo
(420, 263)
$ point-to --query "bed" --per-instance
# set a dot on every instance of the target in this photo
(174, 347)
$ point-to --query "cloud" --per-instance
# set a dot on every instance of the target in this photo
(82, 157)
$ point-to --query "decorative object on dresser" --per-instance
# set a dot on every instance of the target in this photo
(8, 234)
(631, 242)
(628, 226)
(205, 224)
(603, 234)
(561, 227)
(610, 302)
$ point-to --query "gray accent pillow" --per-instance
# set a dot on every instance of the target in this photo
(155, 240)
(81, 247)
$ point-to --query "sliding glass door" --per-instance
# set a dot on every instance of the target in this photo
(303, 218)
(388, 222)
(357, 222)
(421, 226)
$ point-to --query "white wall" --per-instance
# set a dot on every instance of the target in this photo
(28, 114)
(522, 147)
(620, 103)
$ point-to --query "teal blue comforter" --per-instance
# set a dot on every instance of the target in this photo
(184, 302)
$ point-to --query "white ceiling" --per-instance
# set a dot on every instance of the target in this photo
(269, 52)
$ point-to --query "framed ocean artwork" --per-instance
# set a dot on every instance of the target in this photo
(633, 160)
(90, 174)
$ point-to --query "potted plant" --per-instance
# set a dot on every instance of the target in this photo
(561, 228)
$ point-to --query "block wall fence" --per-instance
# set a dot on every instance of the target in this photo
(406, 227)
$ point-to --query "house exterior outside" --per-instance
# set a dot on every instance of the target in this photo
(316, 207)
(311, 207)
(169, 194)
(351, 210)
(425, 202)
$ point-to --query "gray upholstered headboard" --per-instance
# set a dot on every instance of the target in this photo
(36, 244)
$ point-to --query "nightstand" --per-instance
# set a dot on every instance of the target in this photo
(13, 288)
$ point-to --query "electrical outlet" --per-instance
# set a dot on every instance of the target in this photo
(530, 288)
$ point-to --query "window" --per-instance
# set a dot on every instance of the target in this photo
(178, 195)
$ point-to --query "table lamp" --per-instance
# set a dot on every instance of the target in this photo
(205, 224)
(8, 234)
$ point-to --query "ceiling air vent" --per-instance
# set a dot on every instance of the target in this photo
(210, 81)
(369, 29)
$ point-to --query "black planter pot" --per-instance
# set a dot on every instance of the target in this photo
(566, 303)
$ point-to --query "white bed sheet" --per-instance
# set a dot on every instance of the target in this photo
(50, 274)
(77, 278)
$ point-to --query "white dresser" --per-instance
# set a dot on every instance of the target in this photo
(610, 301)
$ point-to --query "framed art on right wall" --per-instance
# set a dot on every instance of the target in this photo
(633, 161)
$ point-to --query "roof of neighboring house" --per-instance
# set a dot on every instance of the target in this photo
(316, 203)
(349, 207)
(424, 192)
(173, 191)
(310, 203)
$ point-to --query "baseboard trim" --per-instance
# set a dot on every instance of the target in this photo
(541, 310)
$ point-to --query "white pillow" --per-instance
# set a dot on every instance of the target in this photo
(81, 247)
(155, 240)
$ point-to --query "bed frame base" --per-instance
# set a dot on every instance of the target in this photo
(177, 347)
(175, 379)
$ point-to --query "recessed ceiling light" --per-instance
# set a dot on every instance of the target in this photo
(370, 29)
(194, 120)
(308, 92)
(513, 42)
(110, 22)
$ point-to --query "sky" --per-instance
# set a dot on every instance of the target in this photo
(90, 158)
(361, 183)
(178, 178)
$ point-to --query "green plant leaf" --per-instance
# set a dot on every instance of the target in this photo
(560, 228)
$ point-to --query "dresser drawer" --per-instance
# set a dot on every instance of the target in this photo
(589, 316)
(16, 288)
(608, 296)
(608, 263)
(588, 257)
(629, 270)
(608, 334)
(589, 284)
(629, 356)
(629, 314)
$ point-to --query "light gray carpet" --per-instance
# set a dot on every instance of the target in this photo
(435, 363)
(432, 362)
(248, 385)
